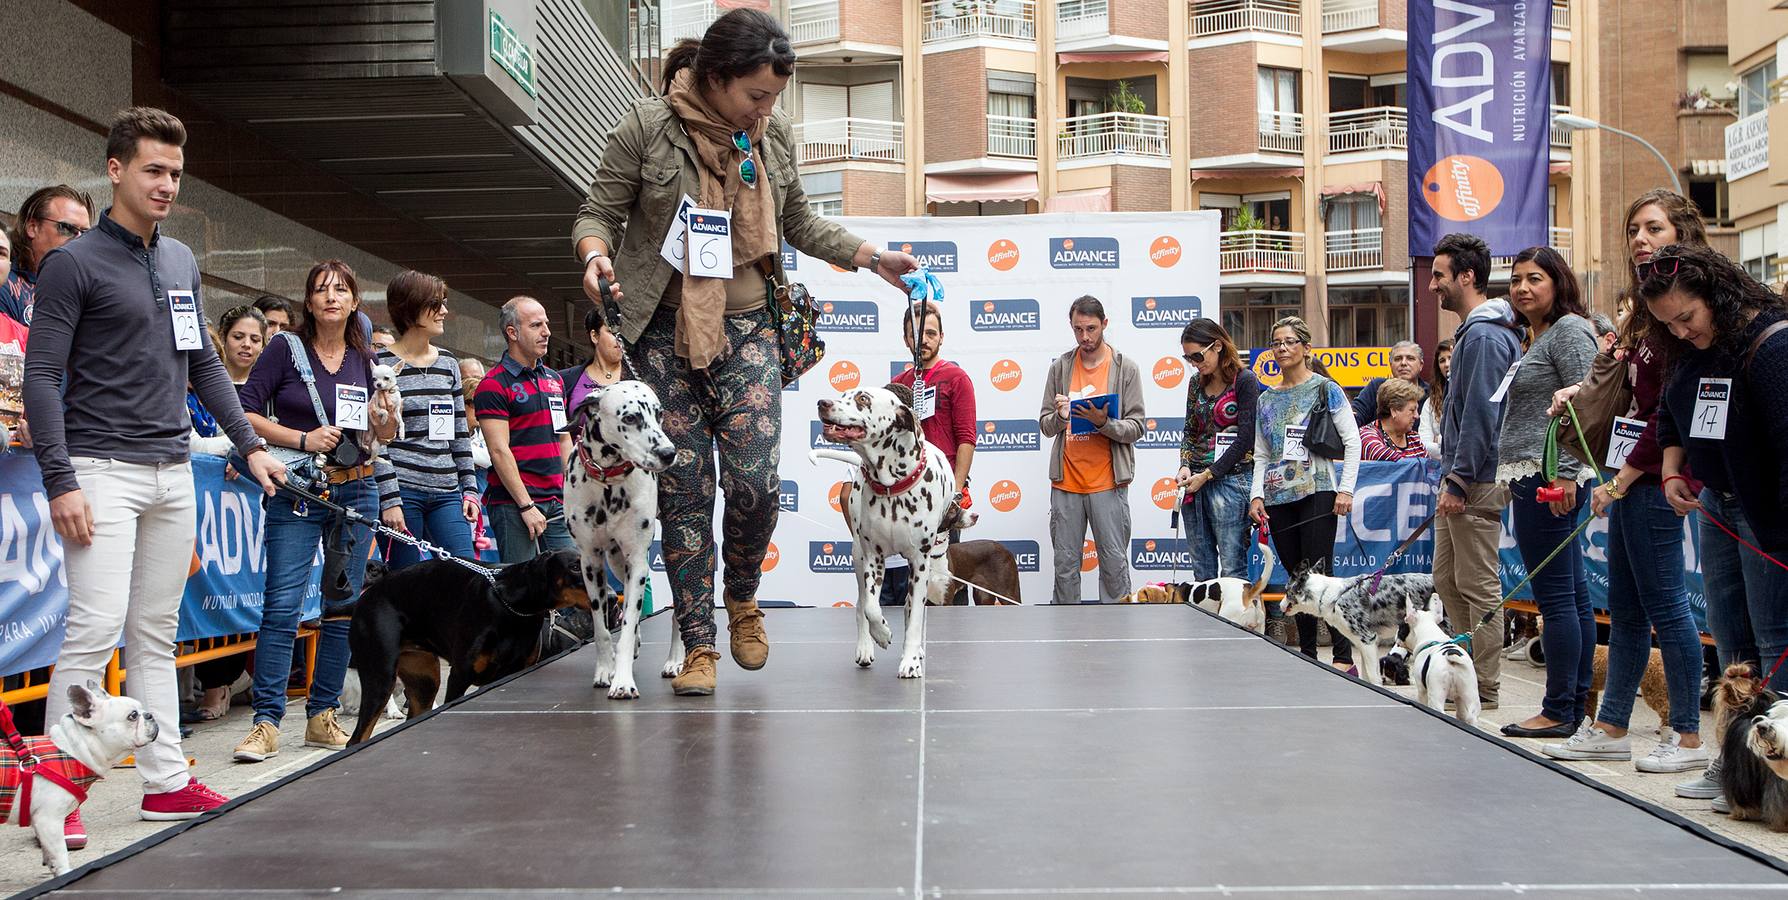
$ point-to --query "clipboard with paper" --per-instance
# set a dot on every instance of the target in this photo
(1078, 425)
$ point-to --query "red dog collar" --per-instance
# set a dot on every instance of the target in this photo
(600, 473)
(898, 487)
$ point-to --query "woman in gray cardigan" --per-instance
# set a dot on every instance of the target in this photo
(1560, 346)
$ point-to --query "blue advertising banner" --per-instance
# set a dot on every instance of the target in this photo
(1480, 121)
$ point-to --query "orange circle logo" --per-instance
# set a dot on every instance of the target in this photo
(1463, 188)
(195, 566)
(1005, 496)
(771, 557)
(844, 375)
(1149, 424)
(846, 604)
(1006, 375)
(826, 307)
(1165, 251)
(1089, 557)
(1169, 372)
(906, 248)
(837, 505)
(1166, 492)
(1003, 255)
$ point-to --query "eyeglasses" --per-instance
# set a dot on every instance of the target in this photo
(1196, 357)
(1286, 344)
(748, 165)
(66, 229)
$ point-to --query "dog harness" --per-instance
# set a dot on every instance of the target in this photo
(1447, 648)
(898, 487)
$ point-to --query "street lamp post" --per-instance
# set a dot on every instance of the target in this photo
(1573, 122)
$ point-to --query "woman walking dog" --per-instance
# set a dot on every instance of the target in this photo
(709, 346)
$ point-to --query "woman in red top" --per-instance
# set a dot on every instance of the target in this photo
(1393, 434)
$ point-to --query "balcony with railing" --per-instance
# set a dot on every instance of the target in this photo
(1212, 17)
(1282, 132)
(1561, 136)
(1261, 252)
(839, 140)
(1561, 15)
(1012, 136)
(1348, 15)
(1076, 19)
(950, 20)
(689, 19)
(1359, 248)
(812, 21)
(1373, 128)
(1557, 238)
(1113, 134)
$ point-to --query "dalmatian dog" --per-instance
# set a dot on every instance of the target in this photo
(611, 501)
(901, 495)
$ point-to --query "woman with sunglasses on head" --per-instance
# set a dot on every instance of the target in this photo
(1428, 424)
(709, 346)
(1645, 557)
(1724, 415)
(1560, 345)
(1297, 494)
(1217, 451)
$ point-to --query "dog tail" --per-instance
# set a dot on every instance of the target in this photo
(1258, 588)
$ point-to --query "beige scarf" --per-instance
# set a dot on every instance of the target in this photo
(701, 335)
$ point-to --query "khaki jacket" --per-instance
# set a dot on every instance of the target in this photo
(1123, 430)
(647, 167)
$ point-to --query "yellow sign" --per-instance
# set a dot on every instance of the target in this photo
(1350, 367)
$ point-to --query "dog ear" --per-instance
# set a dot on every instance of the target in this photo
(904, 418)
(1434, 604)
(84, 701)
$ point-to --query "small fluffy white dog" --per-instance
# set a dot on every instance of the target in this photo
(1440, 669)
(385, 384)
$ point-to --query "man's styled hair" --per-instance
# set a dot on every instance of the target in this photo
(1087, 305)
(140, 122)
(1467, 251)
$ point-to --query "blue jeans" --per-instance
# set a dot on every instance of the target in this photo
(512, 534)
(1217, 528)
(432, 517)
(292, 542)
(1645, 591)
(1747, 596)
(1562, 594)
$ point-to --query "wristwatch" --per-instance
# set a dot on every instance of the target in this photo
(875, 260)
(591, 255)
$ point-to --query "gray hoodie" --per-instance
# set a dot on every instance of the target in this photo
(1487, 343)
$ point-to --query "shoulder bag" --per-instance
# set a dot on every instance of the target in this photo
(347, 452)
(792, 308)
(1606, 395)
(1321, 437)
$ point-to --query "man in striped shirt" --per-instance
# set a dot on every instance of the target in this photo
(521, 408)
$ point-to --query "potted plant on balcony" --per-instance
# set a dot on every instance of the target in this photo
(1123, 100)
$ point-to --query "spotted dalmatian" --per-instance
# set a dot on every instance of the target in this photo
(611, 501)
(901, 496)
(1366, 609)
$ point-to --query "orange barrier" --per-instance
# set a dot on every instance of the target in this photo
(35, 684)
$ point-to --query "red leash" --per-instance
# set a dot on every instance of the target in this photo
(1754, 549)
(64, 771)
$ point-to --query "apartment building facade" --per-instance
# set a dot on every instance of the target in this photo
(1756, 176)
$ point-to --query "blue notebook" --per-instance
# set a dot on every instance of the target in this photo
(1077, 425)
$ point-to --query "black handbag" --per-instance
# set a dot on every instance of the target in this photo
(1321, 437)
(793, 311)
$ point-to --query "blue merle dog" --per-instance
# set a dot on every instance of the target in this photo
(1365, 609)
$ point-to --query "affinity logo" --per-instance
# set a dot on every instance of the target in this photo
(939, 256)
(1002, 255)
(1164, 312)
(789, 257)
(1165, 492)
(772, 556)
(1005, 315)
(1089, 557)
(1463, 188)
(1008, 434)
(1169, 372)
(1006, 375)
(1027, 553)
(849, 315)
(657, 556)
(829, 556)
(1005, 496)
(834, 496)
(1083, 253)
(1158, 554)
(816, 437)
(1164, 251)
(844, 375)
(788, 497)
(1162, 433)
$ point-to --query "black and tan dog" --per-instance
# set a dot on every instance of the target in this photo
(439, 609)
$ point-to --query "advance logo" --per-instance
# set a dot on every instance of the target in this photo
(788, 498)
(788, 257)
(998, 435)
(816, 438)
(1164, 312)
(656, 555)
(1029, 556)
(939, 256)
(849, 315)
(829, 557)
(1159, 554)
(1162, 433)
(1005, 315)
(1083, 253)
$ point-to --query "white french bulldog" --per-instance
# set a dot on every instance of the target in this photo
(99, 731)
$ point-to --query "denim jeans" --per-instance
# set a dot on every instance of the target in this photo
(511, 532)
(1562, 594)
(292, 543)
(432, 517)
(1747, 596)
(1217, 528)
(1645, 591)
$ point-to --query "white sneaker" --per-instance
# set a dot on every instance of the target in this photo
(1671, 756)
(1590, 742)
(1704, 787)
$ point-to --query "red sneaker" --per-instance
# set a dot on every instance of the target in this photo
(187, 803)
(73, 831)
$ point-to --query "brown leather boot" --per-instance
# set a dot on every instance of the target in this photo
(697, 679)
(745, 622)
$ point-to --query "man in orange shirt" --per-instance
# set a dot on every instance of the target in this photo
(1090, 471)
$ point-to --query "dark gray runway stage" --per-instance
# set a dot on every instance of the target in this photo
(1063, 752)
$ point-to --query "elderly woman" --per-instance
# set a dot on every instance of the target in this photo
(1392, 433)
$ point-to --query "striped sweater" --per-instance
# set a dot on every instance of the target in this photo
(417, 463)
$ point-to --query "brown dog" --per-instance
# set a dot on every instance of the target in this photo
(1652, 688)
(987, 565)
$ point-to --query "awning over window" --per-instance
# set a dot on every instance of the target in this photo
(1094, 200)
(1375, 188)
(980, 188)
(1098, 56)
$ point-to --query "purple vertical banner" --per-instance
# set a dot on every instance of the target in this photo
(1480, 121)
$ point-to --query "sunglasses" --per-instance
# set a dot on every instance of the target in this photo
(1196, 357)
(748, 165)
(66, 229)
(1666, 268)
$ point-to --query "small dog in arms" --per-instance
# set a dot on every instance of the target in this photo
(99, 731)
(385, 385)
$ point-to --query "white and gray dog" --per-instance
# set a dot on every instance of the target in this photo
(1442, 669)
(1365, 609)
(611, 501)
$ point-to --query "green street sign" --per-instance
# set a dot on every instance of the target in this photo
(515, 57)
